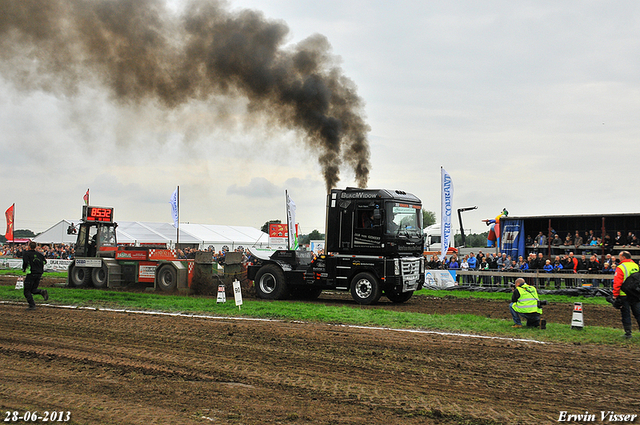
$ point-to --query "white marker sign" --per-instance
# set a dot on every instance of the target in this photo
(237, 292)
(222, 296)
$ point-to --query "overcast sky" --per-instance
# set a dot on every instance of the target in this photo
(530, 106)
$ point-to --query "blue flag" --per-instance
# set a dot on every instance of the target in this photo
(446, 198)
(174, 206)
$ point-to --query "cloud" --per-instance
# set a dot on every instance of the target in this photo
(258, 187)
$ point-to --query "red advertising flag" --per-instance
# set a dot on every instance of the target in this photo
(8, 214)
(86, 198)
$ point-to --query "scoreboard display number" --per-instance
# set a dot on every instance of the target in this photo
(98, 214)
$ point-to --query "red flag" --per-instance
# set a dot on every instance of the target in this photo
(8, 214)
(86, 198)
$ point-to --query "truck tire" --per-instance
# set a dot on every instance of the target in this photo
(270, 283)
(365, 288)
(99, 276)
(167, 278)
(79, 276)
(398, 297)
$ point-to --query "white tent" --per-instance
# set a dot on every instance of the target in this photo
(231, 236)
(58, 233)
(136, 232)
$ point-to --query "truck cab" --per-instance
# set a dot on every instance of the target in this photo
(96, 240)
(374, 221)
(373, 243)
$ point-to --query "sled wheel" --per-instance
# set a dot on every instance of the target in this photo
(270, 283)
(167, 279)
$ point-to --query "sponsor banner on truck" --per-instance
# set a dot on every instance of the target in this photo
(147, 271)
(88, 262)
(131, 255)
(162, 254)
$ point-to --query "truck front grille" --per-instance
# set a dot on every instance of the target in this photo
(410, 273)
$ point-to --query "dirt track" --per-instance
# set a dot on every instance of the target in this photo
(115, 368)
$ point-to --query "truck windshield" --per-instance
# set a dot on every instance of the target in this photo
(108, 236)
(404, 219)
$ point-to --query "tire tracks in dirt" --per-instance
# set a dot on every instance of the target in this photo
(125, 368)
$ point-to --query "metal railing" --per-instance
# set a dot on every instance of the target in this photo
(537, 278)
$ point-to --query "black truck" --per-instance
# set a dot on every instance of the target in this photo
(373, 244)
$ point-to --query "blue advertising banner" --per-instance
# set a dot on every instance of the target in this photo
(446, 201)
(513, 237)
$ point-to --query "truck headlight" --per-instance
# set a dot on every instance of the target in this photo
(397, 266)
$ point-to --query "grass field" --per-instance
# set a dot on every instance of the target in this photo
(312, 312)
(501, 296)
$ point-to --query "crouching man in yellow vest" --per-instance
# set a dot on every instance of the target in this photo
(524, 303)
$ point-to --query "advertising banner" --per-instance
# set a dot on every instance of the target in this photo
(10, 263)
(278, 234)
(317, 246)
(291, 219)
(512, 240)
(57, 265)
(439, 279)
(9, 215)
(446, 230)
(174, 208)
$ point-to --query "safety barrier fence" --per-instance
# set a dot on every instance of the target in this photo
(538, 278)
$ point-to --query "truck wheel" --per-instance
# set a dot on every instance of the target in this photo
(167, 278)
(270, 283)
(79, 276)
(365, 288)
(99, 277)
(398, 297)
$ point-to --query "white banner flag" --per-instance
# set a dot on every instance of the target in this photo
(291, 222)
(446, 231)
(174, 207)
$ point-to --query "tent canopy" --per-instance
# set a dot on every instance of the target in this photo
(137, 232)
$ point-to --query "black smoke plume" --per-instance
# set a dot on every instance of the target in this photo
(141, 50)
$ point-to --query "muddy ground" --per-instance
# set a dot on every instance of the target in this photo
(124, 368)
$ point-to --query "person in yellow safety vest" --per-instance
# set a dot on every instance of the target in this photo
(628, 302)
(524, 303)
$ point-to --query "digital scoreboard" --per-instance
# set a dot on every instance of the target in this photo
(97, 214)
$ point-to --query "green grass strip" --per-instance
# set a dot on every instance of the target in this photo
(19, 272)
(319, 313)
(507, 295)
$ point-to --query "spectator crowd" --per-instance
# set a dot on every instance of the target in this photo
(586, 242)
(67, 252)
(565, 263)
(53, 251)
